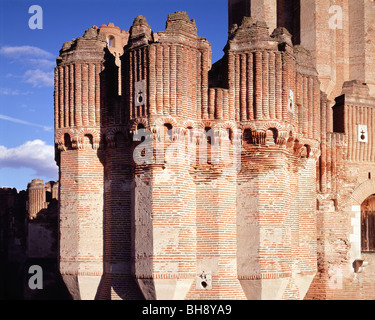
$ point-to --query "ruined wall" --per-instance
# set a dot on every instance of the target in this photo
(30, 239)
(12, 242)
(42, 206)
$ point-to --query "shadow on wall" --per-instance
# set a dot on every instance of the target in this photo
(42, 250)
(115, 153)
(30, 242)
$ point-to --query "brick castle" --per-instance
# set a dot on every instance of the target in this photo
(290, 216)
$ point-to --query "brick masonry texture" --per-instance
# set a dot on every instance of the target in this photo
(290, 99)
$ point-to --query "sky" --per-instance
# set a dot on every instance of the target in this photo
(28, 51)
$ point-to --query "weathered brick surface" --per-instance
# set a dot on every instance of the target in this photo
(282, 224)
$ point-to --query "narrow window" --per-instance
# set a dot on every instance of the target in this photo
(111, 41)
(289, 17)
(88, 141)
(247, 136)
(67, 142)
(368, 224)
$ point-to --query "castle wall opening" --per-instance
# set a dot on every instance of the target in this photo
(289, 17)
(368, 224)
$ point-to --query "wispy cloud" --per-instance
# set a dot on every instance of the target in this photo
(35, 155)
(42, 63)
(27, 123)
(17, 52)
(39, 78)
(39, 64)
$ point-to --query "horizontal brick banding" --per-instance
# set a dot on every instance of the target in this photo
(289, 211)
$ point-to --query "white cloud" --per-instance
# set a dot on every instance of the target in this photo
(35, 155)
(44, 64)
(20, 121)
(17, 52)
(39, 78)
(39, 63)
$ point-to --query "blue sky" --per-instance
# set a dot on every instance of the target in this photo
(27, 60)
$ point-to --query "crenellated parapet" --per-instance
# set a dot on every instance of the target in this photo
(270, 79)
(259, 74)
(83, 138)
(116, 39)
(78, 78)
(40, 195)
(167, 72)
(88, 88)
(37, 198)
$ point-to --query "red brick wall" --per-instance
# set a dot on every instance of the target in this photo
(118, 234)
(288, 214)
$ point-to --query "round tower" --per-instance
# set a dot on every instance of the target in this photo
(37, 198)
(166, 81)
(78, 119)
(274, 97)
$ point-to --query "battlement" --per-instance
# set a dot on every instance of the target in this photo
(250, 29)
(356, 88)
(179, 21)
(40, 196)
(116, 38)
(140, 32)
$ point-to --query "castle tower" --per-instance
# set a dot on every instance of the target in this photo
(274, 93)
(186, 248)
(185, 180)
(166, 82)
(116, 40)
(37, 198)
(78, 118)
(339, 40)
(339, 37)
